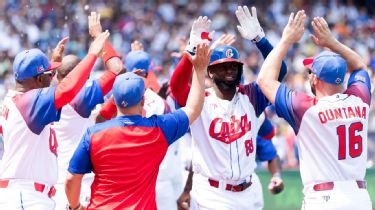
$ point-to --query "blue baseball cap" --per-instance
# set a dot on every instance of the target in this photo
(224, 53)
(328, 67)
(30, 63)
(128, 89)
(138, 60)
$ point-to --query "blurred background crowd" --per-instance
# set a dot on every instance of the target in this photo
(163, 25)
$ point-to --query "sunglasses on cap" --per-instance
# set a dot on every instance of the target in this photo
(50, 73)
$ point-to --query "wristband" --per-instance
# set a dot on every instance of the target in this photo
(256, 39)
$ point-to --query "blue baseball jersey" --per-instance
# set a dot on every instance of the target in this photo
(125, 154)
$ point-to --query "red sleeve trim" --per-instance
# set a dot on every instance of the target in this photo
(74, 81)
(109, 109)
(270, 135)
(109, 52)
(106, 81)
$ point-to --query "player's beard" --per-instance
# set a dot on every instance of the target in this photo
(225, 85)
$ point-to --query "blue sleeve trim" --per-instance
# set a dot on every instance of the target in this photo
(80, 163)
(265, 150)
(87, 99)
(283, 103)
(360, 76)
(37, 108)
(174, 125)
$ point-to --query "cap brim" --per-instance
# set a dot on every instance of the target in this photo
(225, 60)
(53, 65)
(307, 62)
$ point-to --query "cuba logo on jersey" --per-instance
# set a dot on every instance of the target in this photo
(229, 131)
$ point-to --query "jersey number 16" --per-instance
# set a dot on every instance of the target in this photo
(355, 141)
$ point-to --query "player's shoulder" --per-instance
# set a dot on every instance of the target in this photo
(245, 89)
(99, 127)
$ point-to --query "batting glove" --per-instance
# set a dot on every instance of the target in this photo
(199, 34)
(249, 27)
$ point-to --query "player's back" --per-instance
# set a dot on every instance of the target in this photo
(332, 139)
(125, 154)
(30, 144)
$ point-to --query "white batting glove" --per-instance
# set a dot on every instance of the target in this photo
(199, 34)
(249, 25)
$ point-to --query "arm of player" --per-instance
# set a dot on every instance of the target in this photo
(183, 202)
(74, 81)
(73, 189)
(250, 29)
(194, 103)
(181, 76)
(110, 57)
(180, 79)
(323, 37)
(108, 110)
(269, 73)
(266, 130)
(276, 184)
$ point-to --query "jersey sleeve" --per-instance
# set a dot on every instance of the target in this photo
(265, 150)
(256, 97)
(266, 130)
(174, 125)
(359, 84)
(80, 163)
(88, 97)
(292, 105)
(37, 108)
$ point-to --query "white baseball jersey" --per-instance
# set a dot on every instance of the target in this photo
(154, 104)
(224, 136)
(331, 131)
(30, 146)
(75, 119)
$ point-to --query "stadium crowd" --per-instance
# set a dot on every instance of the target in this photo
(162, 25)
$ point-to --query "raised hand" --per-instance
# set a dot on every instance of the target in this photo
(225, 39)
(295, 28)
(136, 45)
(249, 27)
(58, 52)
(199, 34)
(97, 45)
(322, 34)
(95, 28)
(202, 57)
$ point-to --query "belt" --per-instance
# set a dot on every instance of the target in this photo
(329, 186)
(229, 187)
(37, 186)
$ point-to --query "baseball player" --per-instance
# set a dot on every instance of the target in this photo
(265, 151)
(332, 126)
(29, 166)
(224, 136)
(76, 116)
(125, 152)
(169, 182)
